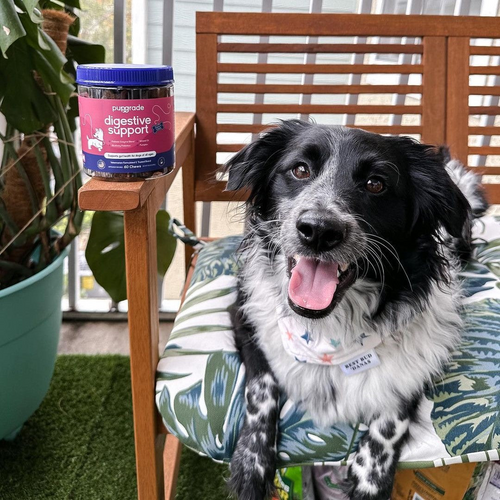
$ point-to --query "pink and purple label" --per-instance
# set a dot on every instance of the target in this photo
(127, 135)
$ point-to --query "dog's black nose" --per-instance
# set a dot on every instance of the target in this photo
(319, 231)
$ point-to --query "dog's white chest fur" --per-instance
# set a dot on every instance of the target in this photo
(409, 356)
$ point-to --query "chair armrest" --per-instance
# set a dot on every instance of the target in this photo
(106, 196)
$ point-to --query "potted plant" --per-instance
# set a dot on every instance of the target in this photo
(39, 181)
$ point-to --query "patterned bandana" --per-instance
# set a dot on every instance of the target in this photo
(309, 346)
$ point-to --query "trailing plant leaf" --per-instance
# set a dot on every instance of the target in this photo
(81, 52)
(23, 102)
(165, 243)
(48, 4)
(32, 8)
(49, 62)
(11, 28)
(106, 251)
(84, 52)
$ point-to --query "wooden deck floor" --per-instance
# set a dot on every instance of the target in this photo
(100, 337)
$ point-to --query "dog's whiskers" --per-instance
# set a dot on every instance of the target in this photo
(378, 261)
(379, 241)
(392, 251)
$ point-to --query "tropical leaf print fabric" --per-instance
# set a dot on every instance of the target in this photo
(200, 379)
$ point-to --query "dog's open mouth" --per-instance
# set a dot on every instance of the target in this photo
(315, 286)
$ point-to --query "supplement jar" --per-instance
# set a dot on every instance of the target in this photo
(126, 120)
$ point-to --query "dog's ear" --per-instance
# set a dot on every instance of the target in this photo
(437, 199)
(243, 168)
(252, 166)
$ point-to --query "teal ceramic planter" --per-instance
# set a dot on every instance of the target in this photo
(30, 320)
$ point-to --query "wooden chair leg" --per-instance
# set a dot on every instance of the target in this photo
(188, 199)
(171, 461)
(140, 252)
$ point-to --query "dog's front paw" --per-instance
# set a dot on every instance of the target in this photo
(356, 490)
(369, 479)
(251, 477)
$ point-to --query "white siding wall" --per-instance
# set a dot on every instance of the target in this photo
(184, 50)
(154, 33)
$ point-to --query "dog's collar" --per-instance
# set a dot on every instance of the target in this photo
(309, 346)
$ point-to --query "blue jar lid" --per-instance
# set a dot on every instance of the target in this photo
(124, 75)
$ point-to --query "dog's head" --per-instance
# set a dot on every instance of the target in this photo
(341, 204)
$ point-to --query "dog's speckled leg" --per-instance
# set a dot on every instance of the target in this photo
(371, 475)
(253, 462)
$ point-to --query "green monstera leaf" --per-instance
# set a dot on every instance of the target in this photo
(32, 7)
(105, 252)
(302, 442)
(199, 414)
(11, 28)
(48, 60)
(22, 100)
(466, 413)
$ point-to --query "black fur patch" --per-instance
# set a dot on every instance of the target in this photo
(376, 448)
(387, 430)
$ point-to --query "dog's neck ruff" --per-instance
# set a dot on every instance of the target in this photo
(307, 345)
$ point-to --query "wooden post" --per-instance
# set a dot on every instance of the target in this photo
(140, 253)
(188, 201)
(457, 99)
(171, 461)
(434, 90)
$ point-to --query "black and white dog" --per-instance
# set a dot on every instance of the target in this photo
(348, 296)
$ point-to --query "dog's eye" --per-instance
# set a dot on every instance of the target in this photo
(301, 172)
(374, 185)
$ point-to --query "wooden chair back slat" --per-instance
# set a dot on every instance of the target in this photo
(378, 129)
(319, 108)
(487, 171)
(387, 25)
(319, 69)
(323, 48)
(484, 70)
(484, 130)
(484, 50)
(317, 89)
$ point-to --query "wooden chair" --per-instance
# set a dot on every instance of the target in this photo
(441, 56)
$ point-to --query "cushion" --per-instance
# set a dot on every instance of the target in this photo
(200, 379)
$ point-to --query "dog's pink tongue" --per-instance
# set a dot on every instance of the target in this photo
(313, 284)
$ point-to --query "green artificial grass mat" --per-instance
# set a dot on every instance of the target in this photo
(80, 442)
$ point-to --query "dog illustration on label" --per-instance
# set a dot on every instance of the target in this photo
(159, 123)
(97, 140)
